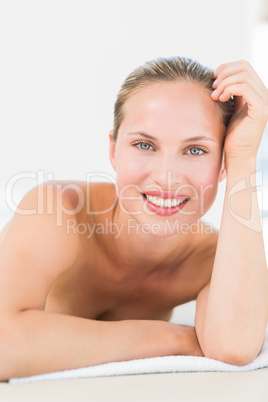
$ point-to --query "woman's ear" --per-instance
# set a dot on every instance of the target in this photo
(222, 174)
(112, 149)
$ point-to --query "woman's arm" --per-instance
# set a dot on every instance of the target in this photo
(35, 342)
(34, 252)
(232, 312)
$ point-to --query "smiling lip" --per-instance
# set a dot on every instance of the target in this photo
(165, 211)
(166, 194)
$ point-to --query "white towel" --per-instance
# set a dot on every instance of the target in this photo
(166, 364)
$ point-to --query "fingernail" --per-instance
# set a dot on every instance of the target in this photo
(213, 93)
(215, 83)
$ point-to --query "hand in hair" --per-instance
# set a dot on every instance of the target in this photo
(247, 124)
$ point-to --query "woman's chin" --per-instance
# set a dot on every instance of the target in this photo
(164, 227)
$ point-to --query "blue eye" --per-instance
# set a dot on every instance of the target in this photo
(195, 151)
(144, 146)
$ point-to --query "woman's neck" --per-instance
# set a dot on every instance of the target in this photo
(142, 252)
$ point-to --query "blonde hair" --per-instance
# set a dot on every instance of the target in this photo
(166, 69)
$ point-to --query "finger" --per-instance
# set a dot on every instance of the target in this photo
(220, 83)
(229, 69)
(235, 66)
(236, 79)
(238, 89)
(251, 97)
(239, 77)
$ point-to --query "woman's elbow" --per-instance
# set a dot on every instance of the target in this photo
(234, 357)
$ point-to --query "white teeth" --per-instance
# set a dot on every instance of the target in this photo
(167, 203)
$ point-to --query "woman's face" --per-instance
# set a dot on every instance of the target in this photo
(168, 155)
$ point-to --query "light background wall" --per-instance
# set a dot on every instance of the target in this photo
(62, 63)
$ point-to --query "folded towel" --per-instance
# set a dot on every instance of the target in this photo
(166, 364)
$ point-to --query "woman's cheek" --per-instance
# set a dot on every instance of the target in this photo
(131, 171)
(130, 175)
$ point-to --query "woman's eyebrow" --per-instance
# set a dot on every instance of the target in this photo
(190, 139)
(198, 138)
(150, 137)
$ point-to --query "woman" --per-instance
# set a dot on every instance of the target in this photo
(90, 273)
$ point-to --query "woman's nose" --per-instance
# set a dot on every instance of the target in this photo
(167, 172)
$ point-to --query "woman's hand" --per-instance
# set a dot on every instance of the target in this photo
(165, 338)
(194, 348)
(247, 124)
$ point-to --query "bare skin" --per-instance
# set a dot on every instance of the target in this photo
(68, 300)
(104, 289)
(74, 301)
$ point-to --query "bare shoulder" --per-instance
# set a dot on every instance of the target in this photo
(88, 198)
(35, 248)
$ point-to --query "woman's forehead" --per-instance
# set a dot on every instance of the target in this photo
(175, 95)
(171, 103)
